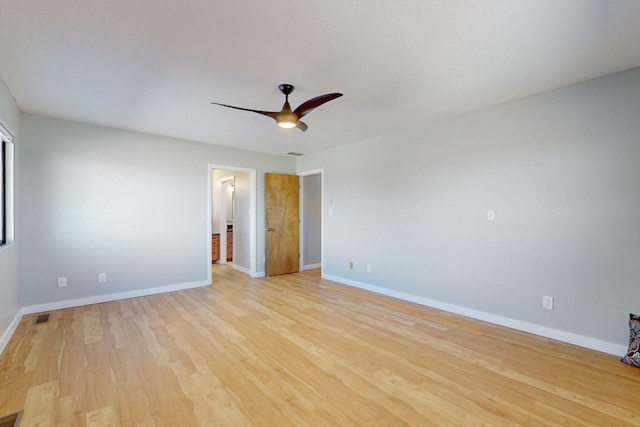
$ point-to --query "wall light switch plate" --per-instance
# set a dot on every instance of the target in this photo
(491, 215)
(547, 302)
(102, 277)
(62, 282)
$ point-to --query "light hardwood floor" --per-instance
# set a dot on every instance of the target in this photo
(296, 350)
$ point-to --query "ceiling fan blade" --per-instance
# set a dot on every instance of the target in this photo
(272, 114)
(308, 106)
(302, 126)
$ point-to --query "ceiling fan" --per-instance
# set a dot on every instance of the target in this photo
(286, 118)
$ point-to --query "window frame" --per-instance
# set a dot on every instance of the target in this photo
(6, 187)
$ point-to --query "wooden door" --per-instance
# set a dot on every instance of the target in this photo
(282, 224)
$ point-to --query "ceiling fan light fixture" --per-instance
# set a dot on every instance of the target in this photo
(287, 121)
(286, 125)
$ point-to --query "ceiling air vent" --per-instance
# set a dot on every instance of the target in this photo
(293, 153)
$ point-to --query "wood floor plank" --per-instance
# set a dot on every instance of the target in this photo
(297, 350)
(40, 405)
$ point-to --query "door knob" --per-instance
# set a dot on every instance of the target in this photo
(268, 229)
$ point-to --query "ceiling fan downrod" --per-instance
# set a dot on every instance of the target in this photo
(286, 89)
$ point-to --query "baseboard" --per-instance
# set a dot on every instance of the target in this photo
(311, 266)
(568, 337)
(245, 270)
(241, 269)
(58, 305)
(8, 333)
(532, 328)
(259, 274)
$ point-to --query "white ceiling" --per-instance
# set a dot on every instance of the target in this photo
(155, 65)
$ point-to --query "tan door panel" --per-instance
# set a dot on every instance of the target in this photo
(282, 225)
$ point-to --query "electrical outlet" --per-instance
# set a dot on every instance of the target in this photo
(491, 215)
(547, 302)
(102, 277)
(62, 282)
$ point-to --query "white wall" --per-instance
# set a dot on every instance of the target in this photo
(132, 205)
(561, 170)
(9, 262)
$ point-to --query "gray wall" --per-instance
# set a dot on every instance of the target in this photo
(9, 263)
(561, 170)
(312, 219)
(132, 205)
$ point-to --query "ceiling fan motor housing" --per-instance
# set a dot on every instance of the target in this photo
(286, 88)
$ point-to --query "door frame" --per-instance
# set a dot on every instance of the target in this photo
(253, 246)
(302, 224)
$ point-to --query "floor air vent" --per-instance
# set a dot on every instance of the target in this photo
(40, 318)
(12, 420)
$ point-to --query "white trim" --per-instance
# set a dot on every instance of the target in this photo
(241, 269)
(5, 133)
(301, 223)
(8, 333)
(58, 305)
(311, 266)
(9, 186)
(532, 328)
(311, 172)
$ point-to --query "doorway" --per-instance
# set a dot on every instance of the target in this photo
(293, 222)
(311, 196)
(231, 218)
